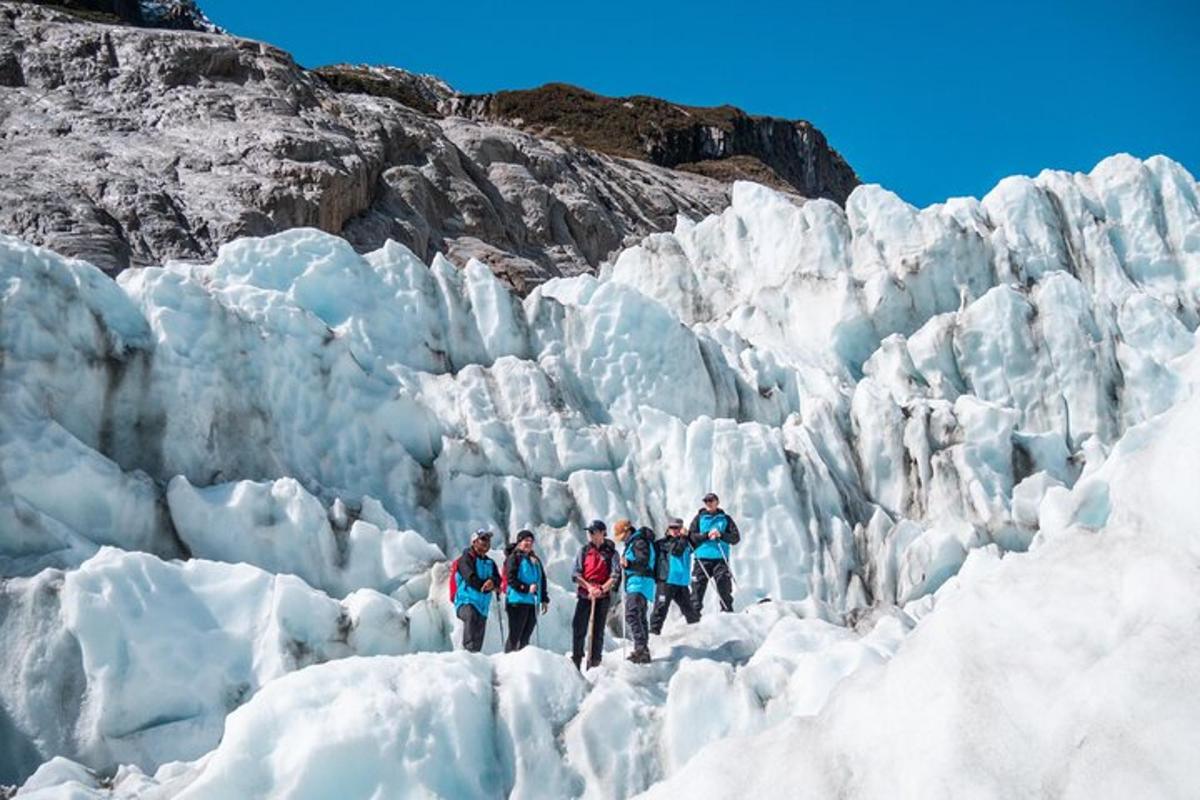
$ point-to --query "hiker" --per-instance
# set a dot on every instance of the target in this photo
(477, 579)
(638, 560)
(712, 532)
(596, 572)
(526, 590)
(674, 573)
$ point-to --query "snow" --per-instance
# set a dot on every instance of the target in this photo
(283, 529)
(152, 655)
(522, 724)
(1079, 655)
(230, 493)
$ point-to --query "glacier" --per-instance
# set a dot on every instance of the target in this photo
(952, 437)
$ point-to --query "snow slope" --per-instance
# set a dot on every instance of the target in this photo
(882, 396)
(1068, 671)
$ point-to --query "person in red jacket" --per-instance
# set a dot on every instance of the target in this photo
(597, 570)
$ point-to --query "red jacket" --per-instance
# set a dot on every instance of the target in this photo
(596, 565)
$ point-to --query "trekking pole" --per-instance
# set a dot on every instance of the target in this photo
(729, 567)
(624, 596)
(503, 635)
(537, 612)
(711, 580)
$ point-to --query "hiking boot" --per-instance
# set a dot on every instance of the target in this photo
(576, 661)
(640, 657)
(592, 664)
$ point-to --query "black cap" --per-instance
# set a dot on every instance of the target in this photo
(523, 535)
(482, 533)
(710, 496)
(675, 522)
(596, 525)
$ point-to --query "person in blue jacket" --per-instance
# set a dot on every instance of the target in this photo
(638, 560)
(674, 577)
(477, 579)
(526, 580)
(713, 533)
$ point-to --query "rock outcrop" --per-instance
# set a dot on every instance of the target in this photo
(180, 15)
(129, 145)
(723, 142)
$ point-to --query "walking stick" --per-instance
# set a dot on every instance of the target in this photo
(587, 654)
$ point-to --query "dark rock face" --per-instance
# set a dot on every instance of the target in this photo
(181, 15)
(794, 152)
(129, 145)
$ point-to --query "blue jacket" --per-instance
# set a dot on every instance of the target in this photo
(639, 570)
(703, 524)
(526, 580)
(473, 571)
(677, 550)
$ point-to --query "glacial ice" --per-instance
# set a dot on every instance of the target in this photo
(228, 493)
(1066, 671)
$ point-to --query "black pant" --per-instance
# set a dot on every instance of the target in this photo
(682, 595)
(579, 628)
(474, 626)
(718, 568)
(636, 606)
(522, 617)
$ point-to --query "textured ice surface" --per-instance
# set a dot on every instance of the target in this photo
(1061, 672)
(894, 404)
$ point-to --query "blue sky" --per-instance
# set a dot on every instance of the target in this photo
(932, 99)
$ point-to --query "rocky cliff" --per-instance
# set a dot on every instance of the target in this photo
(182, 15)
(130, 145)
(724, 142)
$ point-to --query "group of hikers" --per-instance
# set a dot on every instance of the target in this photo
(674, 569)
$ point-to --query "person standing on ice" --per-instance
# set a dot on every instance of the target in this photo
(477, 580)
(713, 533)
(597, 570)
(526, 581)
(674, 577)
(638, 560)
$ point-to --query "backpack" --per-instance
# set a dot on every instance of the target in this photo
(509, 549)
(662, 564)
(453, 579)
(652, 553)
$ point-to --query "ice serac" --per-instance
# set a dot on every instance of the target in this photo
(137, 660)
(893, 403)
(1078, 654)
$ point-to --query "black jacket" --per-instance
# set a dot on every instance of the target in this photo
(673, 545)
(668, 546)
(512, 566)
(641, 542)
(731, 536)
(470, 574)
